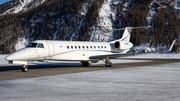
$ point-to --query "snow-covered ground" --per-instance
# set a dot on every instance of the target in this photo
(157, 56)
(147, 83)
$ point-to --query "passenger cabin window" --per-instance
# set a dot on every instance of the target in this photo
(101, 46)
(105, 47)
(83, 47)
(75, 47)
(71, 47)
(91, 47)
(79, 47)
(67, 47)
(98, 47)
(32, 45)
(87, 47)
(40, 45)
(94, 47)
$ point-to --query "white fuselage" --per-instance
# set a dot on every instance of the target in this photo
(65, 51)
(73, 51)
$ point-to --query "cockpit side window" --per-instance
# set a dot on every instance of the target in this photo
(40, 45)
(33, 45)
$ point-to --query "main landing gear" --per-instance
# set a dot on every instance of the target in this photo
(107, 62)
(25, 68)
(85, 63)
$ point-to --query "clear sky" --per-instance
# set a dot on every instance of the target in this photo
(3, 1)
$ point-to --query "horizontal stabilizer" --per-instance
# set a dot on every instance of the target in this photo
(133, 28)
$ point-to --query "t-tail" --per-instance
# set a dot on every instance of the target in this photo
(127, 33)
(123, 45)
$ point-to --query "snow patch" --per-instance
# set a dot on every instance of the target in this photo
(177, 5)
(85, 9)
(22, 6)
(22, 43)
(103, 31)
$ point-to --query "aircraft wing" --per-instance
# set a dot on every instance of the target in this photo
(113, 56)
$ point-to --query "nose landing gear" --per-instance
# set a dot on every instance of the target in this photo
(85, 63)
(25, 68)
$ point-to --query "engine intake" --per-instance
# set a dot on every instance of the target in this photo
(117, 45)
(122, 45)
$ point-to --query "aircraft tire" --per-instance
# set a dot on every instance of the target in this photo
(85, 63)
(24, 69)
(108, 64)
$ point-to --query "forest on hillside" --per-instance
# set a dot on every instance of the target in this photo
(41, 22)
(63, 17)
(165, 23)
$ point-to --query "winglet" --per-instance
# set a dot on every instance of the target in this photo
(172, 45)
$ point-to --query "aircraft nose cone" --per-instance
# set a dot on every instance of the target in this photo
(8, 58)
(18, 56)
(14, 56)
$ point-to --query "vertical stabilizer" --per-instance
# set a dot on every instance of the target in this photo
(127, 34)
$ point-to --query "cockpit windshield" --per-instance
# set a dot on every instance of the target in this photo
(40, 45)
(32, 45)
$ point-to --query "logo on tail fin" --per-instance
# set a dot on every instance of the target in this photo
(127, 34)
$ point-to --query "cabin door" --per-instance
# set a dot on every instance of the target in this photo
(50, 48)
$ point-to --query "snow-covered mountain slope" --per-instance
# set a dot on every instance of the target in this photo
(107, 13)
(24, 5)
(8, 5)
(82, 20)
(103, 31)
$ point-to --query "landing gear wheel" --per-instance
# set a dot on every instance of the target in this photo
(108, 64)
(25, 68)
(85, 63)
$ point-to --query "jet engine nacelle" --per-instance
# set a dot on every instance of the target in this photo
(122, 45)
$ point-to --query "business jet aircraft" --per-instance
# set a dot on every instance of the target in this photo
(73, 51)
